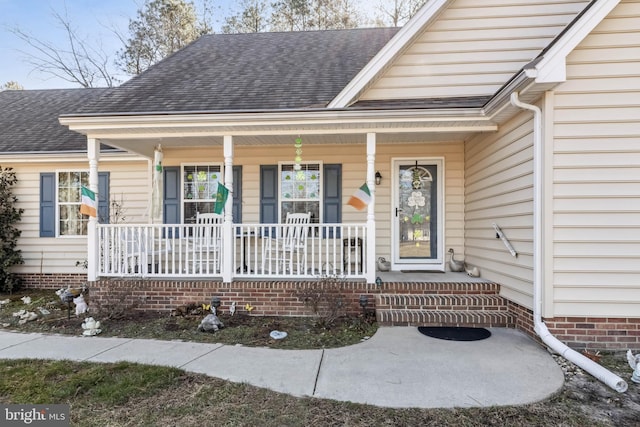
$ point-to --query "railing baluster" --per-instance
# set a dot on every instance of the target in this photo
(172, 250)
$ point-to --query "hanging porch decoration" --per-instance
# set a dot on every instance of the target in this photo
(298, 159)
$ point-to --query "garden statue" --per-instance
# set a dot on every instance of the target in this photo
(211, 322)
(90, 327)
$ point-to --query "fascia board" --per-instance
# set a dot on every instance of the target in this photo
(396, 45)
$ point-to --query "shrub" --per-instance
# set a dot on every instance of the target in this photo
(9, 216)
(325, 299)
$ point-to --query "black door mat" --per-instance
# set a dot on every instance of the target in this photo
(422, 271)
(455, 333)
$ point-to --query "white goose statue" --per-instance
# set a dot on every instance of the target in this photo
(455, 265)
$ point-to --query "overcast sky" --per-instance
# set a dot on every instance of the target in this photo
(93, 19)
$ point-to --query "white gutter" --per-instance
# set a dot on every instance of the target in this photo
(598, 371)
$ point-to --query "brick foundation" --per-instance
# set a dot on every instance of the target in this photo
(580, 333)
(277, 298)
(52, 281)
(280, 298)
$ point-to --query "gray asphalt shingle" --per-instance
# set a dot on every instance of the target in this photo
(29, 119)
(258, 71)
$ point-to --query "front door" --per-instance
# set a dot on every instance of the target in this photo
(416, 220)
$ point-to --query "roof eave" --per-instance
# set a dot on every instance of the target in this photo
(272, 123)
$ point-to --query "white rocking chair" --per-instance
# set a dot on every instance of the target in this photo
(288, 249)
(207, 243)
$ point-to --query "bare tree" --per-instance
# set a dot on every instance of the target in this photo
(76, 62)
(304, 15)
(12, 85)
(160, 28)
(252, 18)
(398, 12)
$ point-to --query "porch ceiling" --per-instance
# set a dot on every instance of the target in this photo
(140, 134)
(145, 146)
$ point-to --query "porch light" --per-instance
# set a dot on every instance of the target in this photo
(378, 177)
(363, 301)
(378, 281)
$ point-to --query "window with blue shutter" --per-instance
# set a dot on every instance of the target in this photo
(63, 202)
(271, 199)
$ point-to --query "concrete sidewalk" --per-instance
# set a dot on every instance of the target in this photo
(398, 367)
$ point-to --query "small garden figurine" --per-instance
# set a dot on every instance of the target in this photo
(211, 323)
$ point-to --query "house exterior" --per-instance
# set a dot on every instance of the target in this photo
(508, 132)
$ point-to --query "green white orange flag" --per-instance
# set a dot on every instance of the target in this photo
(221, 198)
(88, 206)
(361, 198)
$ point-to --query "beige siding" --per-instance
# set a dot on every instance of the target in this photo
(353, 159)
(596, 173)
(474, 48)
(499, 189)
(128, 184)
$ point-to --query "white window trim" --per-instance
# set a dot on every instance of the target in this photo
(57, 196)
(321, 186)
(182, 166)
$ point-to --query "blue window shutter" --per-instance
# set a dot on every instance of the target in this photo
(103, 197)
(237, 194)
(171, 195)
(332, 199)
(269, 194)
(48, 204)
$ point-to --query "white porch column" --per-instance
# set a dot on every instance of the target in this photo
(93, 153)
(371, 218)
(227, 228)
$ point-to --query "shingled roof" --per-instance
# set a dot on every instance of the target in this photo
(29, 120)
(249, 72)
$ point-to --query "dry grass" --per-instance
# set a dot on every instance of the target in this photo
(133, 395)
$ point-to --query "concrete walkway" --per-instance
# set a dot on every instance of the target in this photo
(398, 367)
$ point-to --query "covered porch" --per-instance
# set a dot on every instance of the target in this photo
(347, 245)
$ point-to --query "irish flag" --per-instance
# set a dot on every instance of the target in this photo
(88, 206)
(221, 198)
(361, 198)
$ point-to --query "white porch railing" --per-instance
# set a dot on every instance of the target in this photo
(258, 251)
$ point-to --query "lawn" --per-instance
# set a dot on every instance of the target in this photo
(126, 394)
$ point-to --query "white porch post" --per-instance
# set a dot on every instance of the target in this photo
(93, 153)
(371, 222)
(227, 228)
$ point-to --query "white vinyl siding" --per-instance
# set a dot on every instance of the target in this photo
(499, 189)
(473, 48)
(596, 172)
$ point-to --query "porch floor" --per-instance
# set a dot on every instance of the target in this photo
(427, 277)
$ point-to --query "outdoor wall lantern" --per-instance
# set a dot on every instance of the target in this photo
(378, 177)
(363, 301)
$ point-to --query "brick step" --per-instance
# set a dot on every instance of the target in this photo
(469, 318)
(424, 288)
(481, 307)
(439, 302)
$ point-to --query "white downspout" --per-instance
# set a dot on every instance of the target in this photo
(598, 371)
